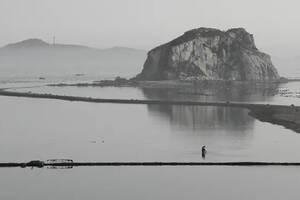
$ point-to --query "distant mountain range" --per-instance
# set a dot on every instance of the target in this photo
(35, 57)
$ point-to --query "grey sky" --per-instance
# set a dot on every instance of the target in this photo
(146, 23)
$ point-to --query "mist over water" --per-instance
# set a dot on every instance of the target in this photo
(59, 61)
(86, 41)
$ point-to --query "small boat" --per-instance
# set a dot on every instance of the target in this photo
(79, 74)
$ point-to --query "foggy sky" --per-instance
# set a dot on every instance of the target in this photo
(147, 23)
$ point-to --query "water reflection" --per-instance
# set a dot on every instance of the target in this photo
(219, 91)
(228, 132)
(204, 118)
(210, 118)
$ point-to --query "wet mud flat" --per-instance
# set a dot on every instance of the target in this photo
(287, 116)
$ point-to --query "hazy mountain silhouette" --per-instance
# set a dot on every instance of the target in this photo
(30, 43)
(34, 57)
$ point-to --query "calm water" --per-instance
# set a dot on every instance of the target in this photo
(159, 183)
(45, 129)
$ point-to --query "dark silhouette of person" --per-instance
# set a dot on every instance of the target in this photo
(204, 151)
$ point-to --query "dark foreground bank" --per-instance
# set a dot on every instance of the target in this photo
(41, 164)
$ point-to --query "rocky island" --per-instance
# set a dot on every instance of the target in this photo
(209, 54)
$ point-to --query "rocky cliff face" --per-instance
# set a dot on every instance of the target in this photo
(209, 54)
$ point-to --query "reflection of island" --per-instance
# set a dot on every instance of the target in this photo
(210, 117)
(215, 91)
(204, 118)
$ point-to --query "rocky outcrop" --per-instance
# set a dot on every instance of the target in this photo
(209, 54)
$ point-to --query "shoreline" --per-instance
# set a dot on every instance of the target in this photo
(137, 101)
(176, 84)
